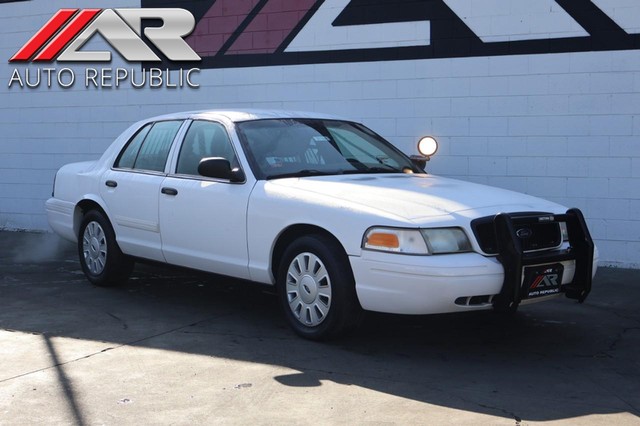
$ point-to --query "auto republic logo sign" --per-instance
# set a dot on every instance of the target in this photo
(63, 37)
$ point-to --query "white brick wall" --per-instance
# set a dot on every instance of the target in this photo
(561, 126)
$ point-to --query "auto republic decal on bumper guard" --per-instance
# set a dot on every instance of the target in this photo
(535, 274)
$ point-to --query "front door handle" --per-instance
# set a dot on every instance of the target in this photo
(169, 191)
(111, 183)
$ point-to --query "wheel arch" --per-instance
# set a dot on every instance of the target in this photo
(82, 207)
(290, 234)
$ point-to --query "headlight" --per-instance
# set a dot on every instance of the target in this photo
(414, 241)
(446, 240)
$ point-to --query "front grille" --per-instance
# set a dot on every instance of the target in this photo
(536, 236)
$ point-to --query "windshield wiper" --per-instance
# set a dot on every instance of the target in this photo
(306, 173)
(387, 169)
(358, 164)
(363, 168)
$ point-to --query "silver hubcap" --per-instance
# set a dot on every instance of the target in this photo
(308, 289)
(94, 248)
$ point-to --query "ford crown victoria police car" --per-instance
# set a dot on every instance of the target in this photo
(334, 216)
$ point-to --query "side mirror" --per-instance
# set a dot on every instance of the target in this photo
(219, 168)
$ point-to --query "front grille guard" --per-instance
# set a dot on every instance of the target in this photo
(514, 259)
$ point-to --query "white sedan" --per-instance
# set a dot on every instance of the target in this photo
(334, 216)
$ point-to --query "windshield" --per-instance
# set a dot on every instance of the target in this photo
(310, 147)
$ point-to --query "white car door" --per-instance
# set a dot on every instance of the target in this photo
(203, 220)
(131, 189)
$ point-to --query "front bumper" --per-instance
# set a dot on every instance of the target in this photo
(416, 285)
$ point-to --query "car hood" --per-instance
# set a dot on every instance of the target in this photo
(419, 197)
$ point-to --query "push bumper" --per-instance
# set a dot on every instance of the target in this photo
(580, 251)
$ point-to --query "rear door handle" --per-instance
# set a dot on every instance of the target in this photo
(111, 183)
(169, 191)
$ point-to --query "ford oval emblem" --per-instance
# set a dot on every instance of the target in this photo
(524, 233)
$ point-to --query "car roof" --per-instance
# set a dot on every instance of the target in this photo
(237, 115)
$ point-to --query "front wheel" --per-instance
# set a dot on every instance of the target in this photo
(100, 257)
(316, 288)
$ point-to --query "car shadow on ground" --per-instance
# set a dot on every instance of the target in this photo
(555, 360)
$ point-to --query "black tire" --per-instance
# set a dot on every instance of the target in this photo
(342, 312)
(506, 310)
(116, 267)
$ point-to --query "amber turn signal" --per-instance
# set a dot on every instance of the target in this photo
(380, 239)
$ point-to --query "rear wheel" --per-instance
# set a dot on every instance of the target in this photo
(101, 259)
(316, 288)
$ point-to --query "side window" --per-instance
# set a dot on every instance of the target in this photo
(204, 139)
(127, 157)
(155, 148)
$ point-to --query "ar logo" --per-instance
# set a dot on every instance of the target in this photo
(545, 280)
(62, 37)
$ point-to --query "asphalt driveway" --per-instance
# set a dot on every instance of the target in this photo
(178, 347)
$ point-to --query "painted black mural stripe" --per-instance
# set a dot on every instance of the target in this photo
(599, 25)
(450, 37)
(299, 27)
(243, 26)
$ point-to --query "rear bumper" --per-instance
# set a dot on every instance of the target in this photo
(60, 216)
(417, 285)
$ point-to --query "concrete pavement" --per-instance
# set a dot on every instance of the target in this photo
(179, 347)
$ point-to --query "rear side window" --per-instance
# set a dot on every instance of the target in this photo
(149, 149)
(127, 158)
(155, 148)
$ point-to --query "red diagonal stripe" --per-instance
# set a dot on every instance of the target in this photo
(271, 26)
(218, 24)
(67, 34)
(537, 281)
(43, 35)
